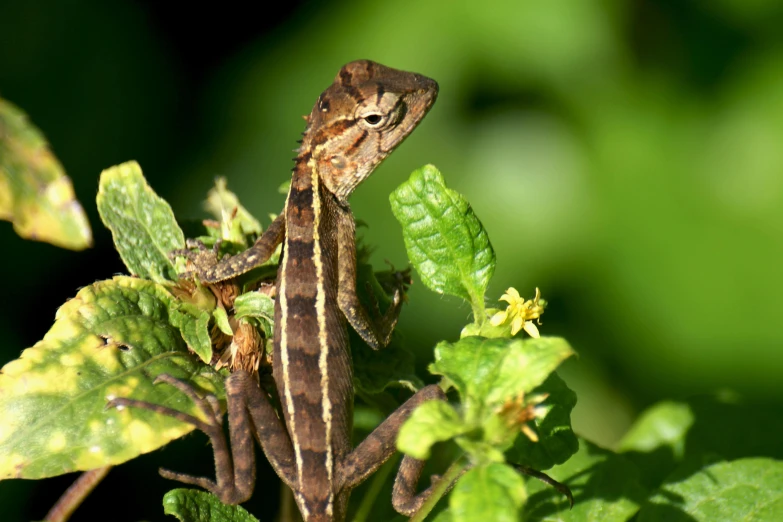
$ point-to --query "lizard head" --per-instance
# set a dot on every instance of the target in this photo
(361, 118)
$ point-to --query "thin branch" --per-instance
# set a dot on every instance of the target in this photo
(75, 495)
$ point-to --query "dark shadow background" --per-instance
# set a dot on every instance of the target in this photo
(625, 157)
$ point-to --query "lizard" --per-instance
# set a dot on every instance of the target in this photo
(359, 120)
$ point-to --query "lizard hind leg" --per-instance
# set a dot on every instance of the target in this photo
(225, 487)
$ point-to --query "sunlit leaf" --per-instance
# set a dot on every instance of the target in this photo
(488, 372)
(446, 242)
(431, 422)
(493, 492)
(35, 193)
(192, 505)
(142, 224)
(111, 340)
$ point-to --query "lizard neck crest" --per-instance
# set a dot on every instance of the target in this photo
(363, 116)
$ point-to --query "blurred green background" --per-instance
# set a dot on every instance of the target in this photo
(625, 156)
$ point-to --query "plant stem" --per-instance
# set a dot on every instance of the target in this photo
(440, 488)
(75, 495)
(375, 488)
(477, 304)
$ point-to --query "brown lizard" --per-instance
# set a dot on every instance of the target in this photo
(367, 112)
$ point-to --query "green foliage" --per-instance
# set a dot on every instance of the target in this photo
(142, 224)
(509, 411)
(111, 340)
(488, 492)
(745, 489)
(493, 377)
(606, 487)
(191, 505)
(556, 441)
(236, 223)
(258, 306)
(444, 238)
(35, 193)
(431, 422)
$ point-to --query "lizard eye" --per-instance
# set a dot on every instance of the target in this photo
(373, 119)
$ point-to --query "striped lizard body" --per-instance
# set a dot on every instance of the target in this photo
(367, 112)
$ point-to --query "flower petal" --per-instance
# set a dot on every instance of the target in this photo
(532, 329)
(516, 325)
(499, 318)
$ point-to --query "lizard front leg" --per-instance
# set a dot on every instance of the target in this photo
(376, 331)
(380, 445)
(249, 413)
(209, 270)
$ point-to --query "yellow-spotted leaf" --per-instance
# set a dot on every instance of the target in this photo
(35, 194)
(141, 223)
(111, 340)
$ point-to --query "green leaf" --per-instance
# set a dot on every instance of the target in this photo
(489, 372)
(192, 505)
(493, 492)
(664, 424)
(255, 304)
(556, 440)
(445, 240)
(111, 340)
(142, 224)
(431, 422)
(221, 320)
(605, 485)
(235, 221)
(745, 489)
(35, 194)
(701, 428)
(258, 306)
(193, 324)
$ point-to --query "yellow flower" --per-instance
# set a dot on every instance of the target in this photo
(521, 313)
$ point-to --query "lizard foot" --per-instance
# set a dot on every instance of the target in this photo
(208, 405)
(201, 260)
